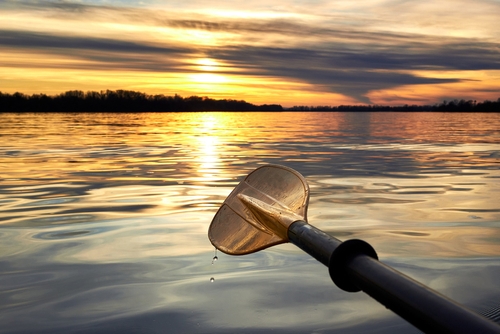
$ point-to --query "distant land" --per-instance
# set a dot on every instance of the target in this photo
(131, 101)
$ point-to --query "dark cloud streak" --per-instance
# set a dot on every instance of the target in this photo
(31, 40)
(349, 73)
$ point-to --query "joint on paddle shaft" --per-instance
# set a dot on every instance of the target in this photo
(340, 259)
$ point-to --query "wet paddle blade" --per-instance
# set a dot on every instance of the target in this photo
(257, 213)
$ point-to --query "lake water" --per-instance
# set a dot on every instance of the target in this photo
(104, 218)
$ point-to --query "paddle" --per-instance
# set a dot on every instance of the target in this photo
(269, 207)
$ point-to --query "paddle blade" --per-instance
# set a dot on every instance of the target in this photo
(257, 213)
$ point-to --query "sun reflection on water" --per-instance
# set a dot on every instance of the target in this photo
(208, 147)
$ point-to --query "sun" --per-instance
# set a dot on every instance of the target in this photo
(206, 72)
(207, 64)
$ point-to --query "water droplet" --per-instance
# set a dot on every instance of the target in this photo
(215, 258)
(212, 279)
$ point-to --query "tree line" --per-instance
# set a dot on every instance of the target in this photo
(454, 105)
(121, 101)
(131, 101)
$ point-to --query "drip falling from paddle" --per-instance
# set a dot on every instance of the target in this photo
(215, 258)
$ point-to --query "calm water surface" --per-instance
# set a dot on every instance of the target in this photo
(104, 218)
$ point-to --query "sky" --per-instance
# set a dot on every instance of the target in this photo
(385, 52)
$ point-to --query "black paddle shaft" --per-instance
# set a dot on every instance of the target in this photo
(353, 266)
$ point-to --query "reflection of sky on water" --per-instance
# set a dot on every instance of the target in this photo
(104, 217)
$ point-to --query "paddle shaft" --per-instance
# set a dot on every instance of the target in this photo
(353, 266)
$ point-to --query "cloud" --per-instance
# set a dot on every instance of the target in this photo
(97, 53)
(354, 73)
(331, 68)
(324, 50)
(32, 40)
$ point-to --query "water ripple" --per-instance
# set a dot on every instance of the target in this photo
(104, 217)
(73, 233)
